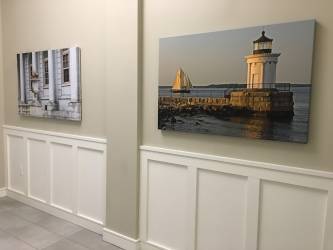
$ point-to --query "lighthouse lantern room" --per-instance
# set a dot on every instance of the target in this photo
(262, 45)
(262, 63)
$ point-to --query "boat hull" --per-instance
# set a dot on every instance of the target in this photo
(180, 91)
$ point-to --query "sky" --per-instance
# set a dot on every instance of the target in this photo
(218, 57)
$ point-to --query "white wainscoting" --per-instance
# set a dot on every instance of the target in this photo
(62, 174)
(194, 201)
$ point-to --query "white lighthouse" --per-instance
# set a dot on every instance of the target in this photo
(261, 71)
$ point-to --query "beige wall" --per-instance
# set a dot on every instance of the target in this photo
(107, 32)
(38, 25)
(2, 116)
(122, 103)
(171, 18)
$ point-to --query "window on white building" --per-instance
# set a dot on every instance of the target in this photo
(30, 75)
(46, 72)
(65, 66)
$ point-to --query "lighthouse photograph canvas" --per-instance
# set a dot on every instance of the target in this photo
(49, 84)
(252, 82)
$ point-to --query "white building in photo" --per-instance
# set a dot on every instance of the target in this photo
(261, 64)
(49, 84)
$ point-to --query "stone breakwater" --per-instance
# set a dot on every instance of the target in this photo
(193, 102)
(268, 102)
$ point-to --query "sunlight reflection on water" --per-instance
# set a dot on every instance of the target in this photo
(295, 130)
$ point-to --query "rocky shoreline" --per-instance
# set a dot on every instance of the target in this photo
(169, 114)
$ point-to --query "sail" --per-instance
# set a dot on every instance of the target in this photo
(182, 81)
(187, 82)
(177, 82)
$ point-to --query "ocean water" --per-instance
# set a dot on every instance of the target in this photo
(295, 130)
(196, 92)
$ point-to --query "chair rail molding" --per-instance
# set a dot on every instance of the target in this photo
(197, 201)
(62, 174)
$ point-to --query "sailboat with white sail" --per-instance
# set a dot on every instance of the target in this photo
(182, 83)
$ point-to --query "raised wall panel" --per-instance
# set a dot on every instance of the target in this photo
(39, 169)
(221, 211)
(292, 217)
(219, 203)
(17, 163)
(62, 176)
(167, 205)
(91, 187)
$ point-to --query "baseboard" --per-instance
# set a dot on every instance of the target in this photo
(3, 192)
(88, 224)
(120, 240)
(151, 246)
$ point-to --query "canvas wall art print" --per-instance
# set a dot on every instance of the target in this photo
(252, 82)
(50, 83)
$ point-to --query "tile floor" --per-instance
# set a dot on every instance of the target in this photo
(26, 228)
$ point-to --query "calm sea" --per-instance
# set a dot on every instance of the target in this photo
(295, 130)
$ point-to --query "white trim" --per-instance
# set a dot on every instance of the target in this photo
(327, 242)
(120, 240)
(57, 134)
(90, 219)
(256, 164)
(153, 246)
(192, 211)
(95, 227)
(252, 213)
(3, 192)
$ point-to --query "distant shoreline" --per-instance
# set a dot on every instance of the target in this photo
(238, 85)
